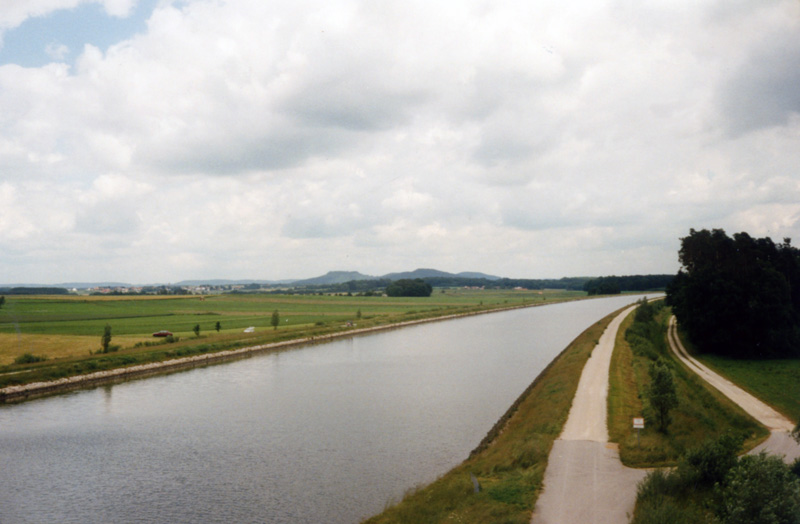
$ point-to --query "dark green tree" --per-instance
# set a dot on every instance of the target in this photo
(661, 393)
(218, 326)
(2, 300)
(196, 330)
(738, 296)
(105, 340)
(406, 287)
(276, 319)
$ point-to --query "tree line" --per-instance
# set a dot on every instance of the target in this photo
(614, 285)
(34, 291)
(738, 296)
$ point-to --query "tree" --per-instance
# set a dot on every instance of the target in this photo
(2, 300)
(276, 319)
(661, 392)
(196, 330)
(406, 287)
(738, 296)
(218, 326)
(105, 341)
(760, 489)
(358, 314)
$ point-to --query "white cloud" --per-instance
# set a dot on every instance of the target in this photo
(56, 51)
(538, 139)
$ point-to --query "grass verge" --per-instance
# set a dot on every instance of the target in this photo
(509, 464)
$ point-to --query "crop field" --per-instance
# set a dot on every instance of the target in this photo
(69, 327)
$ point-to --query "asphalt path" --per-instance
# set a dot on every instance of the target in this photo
(585, 480)
(780, 441)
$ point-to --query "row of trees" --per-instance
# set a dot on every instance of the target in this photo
(409, 288)
(615, 285)
(738, 296)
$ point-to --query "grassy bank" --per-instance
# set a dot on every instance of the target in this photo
(509, 465)
(47, 338)
(702, 412)
(709, 483)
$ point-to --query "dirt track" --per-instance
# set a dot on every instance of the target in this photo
(780, 442)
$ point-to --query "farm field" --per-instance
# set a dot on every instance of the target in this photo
(64, 330)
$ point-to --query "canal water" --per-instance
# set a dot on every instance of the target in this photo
(324, 433)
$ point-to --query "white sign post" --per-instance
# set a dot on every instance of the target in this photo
(638, 425)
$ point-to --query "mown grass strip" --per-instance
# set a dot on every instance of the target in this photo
(510, 463)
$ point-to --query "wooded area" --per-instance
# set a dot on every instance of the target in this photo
(738, 296)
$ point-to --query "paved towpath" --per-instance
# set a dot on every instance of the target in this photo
(780, 441)
(585, 480)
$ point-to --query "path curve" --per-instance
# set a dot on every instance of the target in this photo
(585, 480)
(780, 441)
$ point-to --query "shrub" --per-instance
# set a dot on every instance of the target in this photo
(711, 461)
(28, 358)
(760, 489)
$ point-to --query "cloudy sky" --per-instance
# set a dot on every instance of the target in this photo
(159, 140)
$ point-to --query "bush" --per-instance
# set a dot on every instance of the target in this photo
(760, 489)
(28, 358)
(711, 461)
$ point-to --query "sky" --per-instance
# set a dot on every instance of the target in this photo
(152, 141)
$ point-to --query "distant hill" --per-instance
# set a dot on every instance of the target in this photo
(333, 277)
(418, 273)
(474, 274)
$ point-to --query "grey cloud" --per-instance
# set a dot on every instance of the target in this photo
(763, 92)
(318, 226)
(108, 217)
(352, 104)
(238, 152)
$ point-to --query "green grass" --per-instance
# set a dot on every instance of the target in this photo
(702, 412)
(67, 329)
(511, 461)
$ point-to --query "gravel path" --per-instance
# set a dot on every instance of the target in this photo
(585, 480)
(779, 442)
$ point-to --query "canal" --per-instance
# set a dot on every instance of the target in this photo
(323, 433)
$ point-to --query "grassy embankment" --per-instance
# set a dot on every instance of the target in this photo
(702, 413)
(688, 493)
(66, 330)
(510, 463)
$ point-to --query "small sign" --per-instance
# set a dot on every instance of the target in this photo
(638, 423)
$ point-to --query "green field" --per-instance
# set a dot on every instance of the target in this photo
(67, 330)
